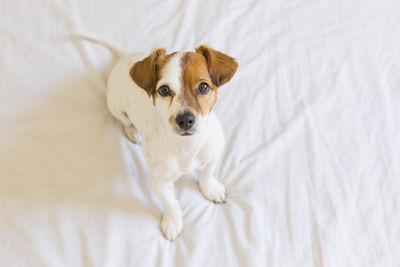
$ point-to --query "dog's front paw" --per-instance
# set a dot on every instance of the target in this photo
(214, 191)
(171, 225)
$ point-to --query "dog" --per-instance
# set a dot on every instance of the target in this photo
(165, 101)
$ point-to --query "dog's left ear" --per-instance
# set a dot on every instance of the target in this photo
(221, 67)
(145, 72)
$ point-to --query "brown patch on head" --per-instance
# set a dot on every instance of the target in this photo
(194, 72)
(209, 66)
(146, 72)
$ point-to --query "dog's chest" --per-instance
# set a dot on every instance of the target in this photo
(187, 159)
(184, 154)
(173, 157)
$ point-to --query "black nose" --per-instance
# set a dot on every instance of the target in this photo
(185, 121)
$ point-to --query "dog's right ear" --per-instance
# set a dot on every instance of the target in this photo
(145, 72)
(221, 67)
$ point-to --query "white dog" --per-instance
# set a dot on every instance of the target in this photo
(165, 102)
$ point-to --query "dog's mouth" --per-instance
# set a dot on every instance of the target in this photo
(186, 134)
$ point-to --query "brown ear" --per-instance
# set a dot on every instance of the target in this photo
(221, 67)
(145, 72)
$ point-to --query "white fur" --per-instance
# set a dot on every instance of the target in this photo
(168, 154)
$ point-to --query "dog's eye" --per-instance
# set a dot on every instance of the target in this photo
(203, 89)
(164, 91)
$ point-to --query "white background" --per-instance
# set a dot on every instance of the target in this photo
(311, 120)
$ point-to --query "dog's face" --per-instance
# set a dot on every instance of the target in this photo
(184, 86)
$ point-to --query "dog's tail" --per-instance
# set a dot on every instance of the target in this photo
(97, 39)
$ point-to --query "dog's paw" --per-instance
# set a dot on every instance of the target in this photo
(214, 191)
(132, 133)
(171, 226)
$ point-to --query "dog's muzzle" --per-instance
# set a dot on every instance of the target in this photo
(185, 121)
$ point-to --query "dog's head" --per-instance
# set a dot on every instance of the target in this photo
(184, 86)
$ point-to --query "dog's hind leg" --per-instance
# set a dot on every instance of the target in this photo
(129, 129)
(132, 133)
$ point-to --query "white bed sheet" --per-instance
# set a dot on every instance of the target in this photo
(311, 163)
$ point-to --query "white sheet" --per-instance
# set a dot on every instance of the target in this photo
(312, 161)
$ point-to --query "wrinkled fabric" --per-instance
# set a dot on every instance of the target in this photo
(311, 120)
